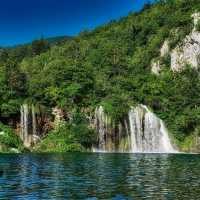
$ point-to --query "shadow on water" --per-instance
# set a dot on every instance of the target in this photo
(1, 173)
(100, 176)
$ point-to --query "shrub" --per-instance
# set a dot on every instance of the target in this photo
(9, 139)
(69, 137)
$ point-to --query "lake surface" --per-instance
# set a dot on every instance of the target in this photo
(99, 176)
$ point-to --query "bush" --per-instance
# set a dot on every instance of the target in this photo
(55, 143)
(69, 137)
(8, 139)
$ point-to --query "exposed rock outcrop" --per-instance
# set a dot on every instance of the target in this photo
(196, 17)
(156, 65)
(164, 51)
(188, 52)
(185, 53)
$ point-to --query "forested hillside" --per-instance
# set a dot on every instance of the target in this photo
(109, 66)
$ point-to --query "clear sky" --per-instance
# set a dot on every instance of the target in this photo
(22, 21)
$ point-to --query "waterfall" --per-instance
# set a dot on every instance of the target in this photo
(101, 124)
(140, 132)
(148, 132)
(24, 125)
(34, 120)
(28, 125)
(112, 136)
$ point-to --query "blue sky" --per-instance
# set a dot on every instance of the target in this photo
(22, 21)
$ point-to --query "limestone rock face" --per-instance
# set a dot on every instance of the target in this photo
(196, 17)
(188, 53)
(156, 66)
(164, 49)
(185, 53)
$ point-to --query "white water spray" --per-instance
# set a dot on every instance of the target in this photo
(28, 124)
(148, 132)
(141, 132)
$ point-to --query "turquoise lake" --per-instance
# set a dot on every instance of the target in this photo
(94, 176)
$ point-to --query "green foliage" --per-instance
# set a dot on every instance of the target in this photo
(79, 128)
(69, 137)
(198, 26)
(59, 142)
(116, 107)
(9, 140)
(179, 105)
(39, 46)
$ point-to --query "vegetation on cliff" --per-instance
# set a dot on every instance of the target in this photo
(111, 66)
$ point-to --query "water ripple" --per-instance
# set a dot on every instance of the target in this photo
(100, 176)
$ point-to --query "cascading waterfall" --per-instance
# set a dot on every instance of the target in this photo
(28, 125)
(141, 132)
(148, 132)
(24, 124)
(101, 122)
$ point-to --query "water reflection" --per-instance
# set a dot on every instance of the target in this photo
(99, 176)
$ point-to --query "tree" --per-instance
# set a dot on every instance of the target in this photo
(39, 46)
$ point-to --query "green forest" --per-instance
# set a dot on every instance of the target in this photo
(109, 66)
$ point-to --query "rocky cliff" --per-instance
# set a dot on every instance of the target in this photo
(187, 52)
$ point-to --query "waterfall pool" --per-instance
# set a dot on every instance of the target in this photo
(94, 176)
